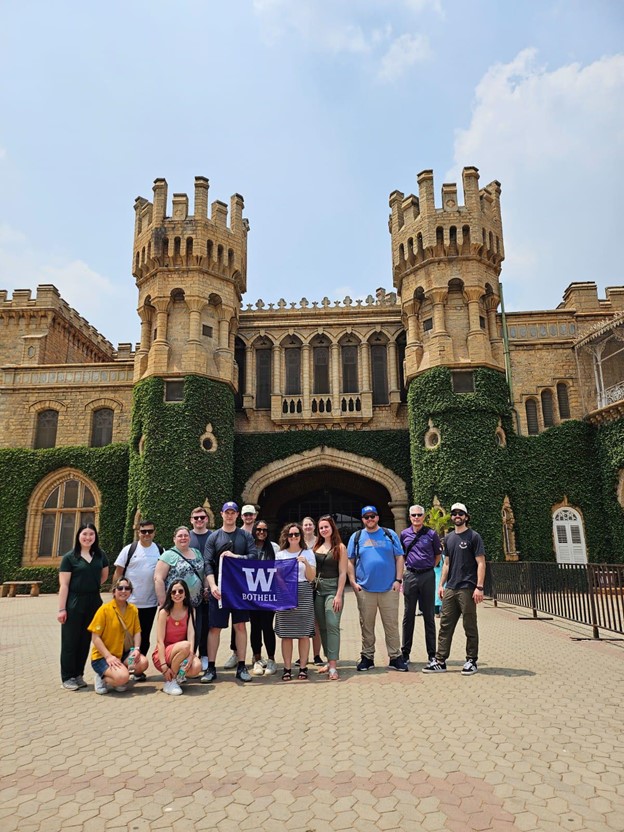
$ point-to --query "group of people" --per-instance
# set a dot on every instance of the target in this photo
(179, 588)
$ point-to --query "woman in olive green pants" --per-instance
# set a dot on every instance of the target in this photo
(331, 571)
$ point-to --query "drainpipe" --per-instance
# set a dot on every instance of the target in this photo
(507, 355)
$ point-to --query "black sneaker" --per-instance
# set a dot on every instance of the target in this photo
(318, 661)
(365, 664)
(434, 666)
(209, 676)
(469, 668)
(399, 664)
(243, 674)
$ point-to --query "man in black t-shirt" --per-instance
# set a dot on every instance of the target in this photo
(461, 589)
(199, 536)
(228, 541)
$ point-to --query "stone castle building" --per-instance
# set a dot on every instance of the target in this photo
(427, 392)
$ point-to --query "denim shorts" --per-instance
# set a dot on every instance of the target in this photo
(100, 666)
(220, 618)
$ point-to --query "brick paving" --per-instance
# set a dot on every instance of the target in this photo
(534, 741)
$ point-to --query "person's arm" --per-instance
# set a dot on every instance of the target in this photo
(64, 579)
(399, 562)
(477, 595)
(309, 569)
(437, 548)
(160, 576)
(443, 576)
(111, 661)
(343, 563)
(209, 567)
(117, 574)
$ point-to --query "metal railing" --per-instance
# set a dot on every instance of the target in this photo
(591, 594)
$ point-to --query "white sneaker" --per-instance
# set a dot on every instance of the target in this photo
(81, 682)
(257, 669)
(100, 685)
(231, 663)
(121, 688)
(204, 662)
(270, 668)
(172, 688)
(70, 684)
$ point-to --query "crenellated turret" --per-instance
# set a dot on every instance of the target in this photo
(446, 262)
(191, 272)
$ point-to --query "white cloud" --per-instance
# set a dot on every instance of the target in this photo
(103, 303)
(555, 140)
(403, 53)
(419, 6)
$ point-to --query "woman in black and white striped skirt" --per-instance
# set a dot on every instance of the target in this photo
(299, 622)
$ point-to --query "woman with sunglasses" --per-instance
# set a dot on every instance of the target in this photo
(116, 637)
(81, 574)
(331, 570)
(174, 655)
(262, 620)
(299, 622)
(180, 563)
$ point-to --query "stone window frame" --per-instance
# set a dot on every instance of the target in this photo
(39, 407)
(104, 404)
(36, 503)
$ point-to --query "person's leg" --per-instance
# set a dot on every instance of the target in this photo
(469, 620)
(287, 651)
(146, 620)
(233, 638)
(410, 597)
(316, 640)
(240, 631)
(426, 602)
(367, 606)
(304, 651)
(332, 619)
(71, 633)
(180, 652)
(448, 621)
(388, 603)
(268, 633)
(140, 664)
(320, 623)
(214, 636)
(255, 634)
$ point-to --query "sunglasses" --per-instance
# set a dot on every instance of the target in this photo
(261, 531)
(458, 514)
(199, 517)
(122, 588)
(294, 534)
(417, 514)
(147, 531)
(177, 591)
(369, 516)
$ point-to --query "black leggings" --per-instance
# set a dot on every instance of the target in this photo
(262, 629)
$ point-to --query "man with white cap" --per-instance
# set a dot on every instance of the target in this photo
(461, 589)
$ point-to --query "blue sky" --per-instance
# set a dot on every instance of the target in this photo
(314, 110)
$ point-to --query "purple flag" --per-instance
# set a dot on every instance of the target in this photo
(258, 584)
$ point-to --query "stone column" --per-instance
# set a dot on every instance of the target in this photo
(276, 387)
(334, 376)
(158, 360)
(393, 375)
(306, 357)
(479, 348)
(364, 368)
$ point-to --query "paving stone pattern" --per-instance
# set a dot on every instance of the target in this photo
(534, 741)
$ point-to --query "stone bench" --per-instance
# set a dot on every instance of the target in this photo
(9, 588)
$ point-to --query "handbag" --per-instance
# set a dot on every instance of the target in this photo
(128, 642)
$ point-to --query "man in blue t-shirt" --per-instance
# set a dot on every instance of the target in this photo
(375, 568)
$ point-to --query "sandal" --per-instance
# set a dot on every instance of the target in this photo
(323, 669)
(333, 674)
(286, 674)
(303, 674)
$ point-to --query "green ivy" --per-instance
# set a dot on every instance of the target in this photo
(610, 454)
(22, 469)
(174, 473)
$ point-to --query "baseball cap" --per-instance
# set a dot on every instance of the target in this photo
(459, 507)
(248, 509)
(369, 510)
(231, 506)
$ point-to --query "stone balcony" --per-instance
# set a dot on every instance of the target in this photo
(322, 409)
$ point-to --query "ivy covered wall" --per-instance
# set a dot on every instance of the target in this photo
(173, 473)
(610, 456)
(21, 470)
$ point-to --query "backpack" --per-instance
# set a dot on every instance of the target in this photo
(132, 550)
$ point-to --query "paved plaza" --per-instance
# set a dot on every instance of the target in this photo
(534, 741)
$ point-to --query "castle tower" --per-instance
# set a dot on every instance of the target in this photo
(191, 271)
(446, 262)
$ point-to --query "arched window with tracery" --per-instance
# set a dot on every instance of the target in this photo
(569, 536)
(60, 503)
(102, 427)
(47, 425)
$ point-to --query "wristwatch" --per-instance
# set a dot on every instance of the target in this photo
(399, 580)
(480, 588)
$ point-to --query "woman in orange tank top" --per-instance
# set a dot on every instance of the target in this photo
(174, 655)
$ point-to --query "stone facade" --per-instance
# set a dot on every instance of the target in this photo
(306, 365)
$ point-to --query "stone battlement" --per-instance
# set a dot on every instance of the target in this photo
(22, 305)
(216, 244)
(382, 298)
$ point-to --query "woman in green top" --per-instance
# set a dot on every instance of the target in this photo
(180, 563)
(81, 573)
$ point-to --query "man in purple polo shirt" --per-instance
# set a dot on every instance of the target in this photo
(422, 549)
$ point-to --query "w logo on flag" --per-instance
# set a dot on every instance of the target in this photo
(258, 584)
(262, 578)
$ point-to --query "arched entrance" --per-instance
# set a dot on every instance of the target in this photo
(327, 481)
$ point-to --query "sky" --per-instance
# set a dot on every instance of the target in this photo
(315, 111)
